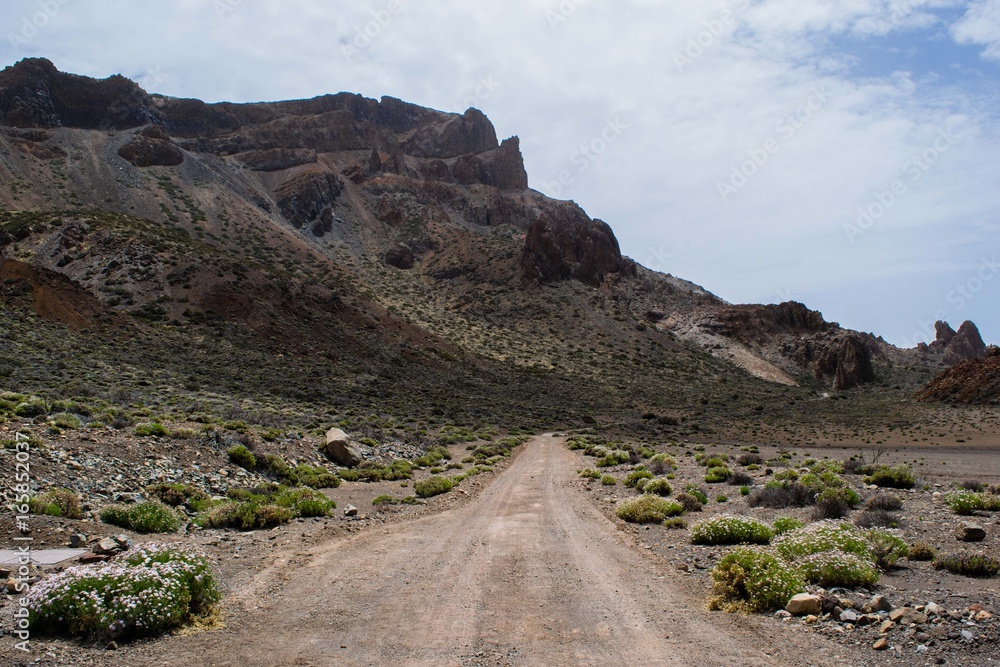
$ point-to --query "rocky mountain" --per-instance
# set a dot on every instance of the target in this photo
(344, 251)
(952, 347)
(974, 381)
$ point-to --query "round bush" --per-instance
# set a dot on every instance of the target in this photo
(785, 524)
(147, 517)
(836, 568)
(820, 537)
(887, 548)
(633, 479)
(658, 487)
(648, 509)
(718, 474)
(147, 591)
(728, 529)
(433, 486)
(749, 579)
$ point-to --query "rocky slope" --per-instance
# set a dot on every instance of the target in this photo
(356, 249)
(974, 381)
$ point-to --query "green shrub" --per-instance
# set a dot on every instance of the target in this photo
(969, 565)
(753, 580)
(728, 529)
(146, 592)
(715, 462)
(589, 473)
(822, 536)
(278, 469)
(618, 457)
(836, 568)
(316, 478)
(887, 548)
(384, 500)
(433, 486)
(658, 487)
(921, 551)
(965, 502)
(717, 475)
(304, 502)
(147, 517)
(433, 456)
(247, 515)
(900, 477)
(648, 509)
(689, 502)
(744, 491)
(697, 493)
(608, 480)
(67, 421)
(151, 429)
(31, 408)
(57, 502)
(885, 501)
(675, 523)
(633, 478)
(785, 524)
(176, 495)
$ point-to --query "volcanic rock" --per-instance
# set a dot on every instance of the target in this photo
(151, 148)
(341, 450)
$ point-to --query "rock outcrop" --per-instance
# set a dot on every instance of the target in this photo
(152, 148)
(340, 449)
(955, 346)
(976, 381)
(307, 200)
(33, 93)
(564, 244)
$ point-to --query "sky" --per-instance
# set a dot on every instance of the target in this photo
(845, 154)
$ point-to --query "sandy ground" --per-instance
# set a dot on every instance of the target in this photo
(527, 573)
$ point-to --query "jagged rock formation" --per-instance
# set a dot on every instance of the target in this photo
(568, 244)
(152, 148)
(974, 381)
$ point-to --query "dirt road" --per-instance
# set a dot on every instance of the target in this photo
(527, 573)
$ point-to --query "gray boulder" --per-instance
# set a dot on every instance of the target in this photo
(341, 450)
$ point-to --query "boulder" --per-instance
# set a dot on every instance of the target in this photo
(341, 450)
(400, 257)
(970, 532)
(804, 604)
(151, 148)
(351, 511)
(107, 547)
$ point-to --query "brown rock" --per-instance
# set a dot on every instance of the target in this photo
(307, 200)
(804, 604)
(151, 148)
(401, 257)
(881, 645)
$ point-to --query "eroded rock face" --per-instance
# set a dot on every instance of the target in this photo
(152, 148)
(400, 257)
(470, 133)
(976, 381)
(564, 244)
(277, 159)
(307, 200)
(956, 346)
(33, 93)
(854, 365)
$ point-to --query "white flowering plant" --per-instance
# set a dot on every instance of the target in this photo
(148, 590)
(753, 579)
(730, 529)
(836, 568)
(823, 536)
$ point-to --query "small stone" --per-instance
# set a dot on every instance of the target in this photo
(982, 616)
(351, 511)
(967, 635)
(123, 541)
(886, 627)
(880, 603)
(811, 619)
(77, 540)
(782, 615)
(804, 604)
(974, 608)
(970, 532)
(106, 547)
(921, 649)
(897, 614)
(881, 645)
(932, 608)
(849, 616)
(112, 646)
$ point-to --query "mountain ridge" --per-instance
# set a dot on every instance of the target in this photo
(341, 218)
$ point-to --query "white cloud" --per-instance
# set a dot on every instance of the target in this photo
(981, 26)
